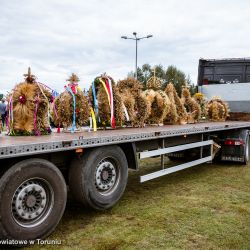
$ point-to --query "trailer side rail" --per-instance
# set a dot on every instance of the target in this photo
(162, 151)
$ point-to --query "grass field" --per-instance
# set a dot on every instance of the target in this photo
(205, 207)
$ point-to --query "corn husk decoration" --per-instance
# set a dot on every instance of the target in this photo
(28, 108)
(192, 107)
(107, 102)
(135, 104)
(154, 83)
(177, 112)
(217, 110)
(71, 107)
(158, 101)
(201, 100)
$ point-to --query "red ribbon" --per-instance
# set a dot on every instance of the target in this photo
(111, 103)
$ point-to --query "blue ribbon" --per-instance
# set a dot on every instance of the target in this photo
(73, 128)
(95, 99)
(55, 93)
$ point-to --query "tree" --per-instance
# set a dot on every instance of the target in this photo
(159, 71)
(192, 87)
(144, 73)
(171, 74)
(147, 71)
(177, 77)
(140, 75)
(131, 74)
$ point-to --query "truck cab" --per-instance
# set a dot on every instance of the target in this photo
(229, 79)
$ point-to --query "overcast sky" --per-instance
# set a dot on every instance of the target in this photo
(58, 37)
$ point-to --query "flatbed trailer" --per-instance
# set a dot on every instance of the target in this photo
(35, 171)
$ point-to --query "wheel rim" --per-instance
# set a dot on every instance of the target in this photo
(107, 176)
(32, 202)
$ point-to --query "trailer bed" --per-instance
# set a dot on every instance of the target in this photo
(15, 146)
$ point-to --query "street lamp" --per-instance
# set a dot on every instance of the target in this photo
(136, 41)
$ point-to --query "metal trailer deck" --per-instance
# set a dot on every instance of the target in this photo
(16, 146)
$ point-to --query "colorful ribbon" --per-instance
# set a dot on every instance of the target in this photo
(44, 85)
(37, 132)
(48, 103)
(126, 112)
(107, 85)
(95, 99)
(106, 90)
(55, 93)
(93, 120)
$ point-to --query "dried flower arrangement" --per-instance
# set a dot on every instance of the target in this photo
(71, 106)
(29, 107)
(177, 112)
(106, 102)
(192, 107)
(135, 105)
(158, 101)
(217, 110)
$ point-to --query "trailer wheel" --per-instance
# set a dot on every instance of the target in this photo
(99, 178)
(33, 196)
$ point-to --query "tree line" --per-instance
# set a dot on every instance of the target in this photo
(170, 74)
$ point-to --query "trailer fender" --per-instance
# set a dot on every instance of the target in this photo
(129, 150)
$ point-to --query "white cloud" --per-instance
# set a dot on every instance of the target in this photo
(57, 37)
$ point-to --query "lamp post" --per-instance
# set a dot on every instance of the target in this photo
(136, 43)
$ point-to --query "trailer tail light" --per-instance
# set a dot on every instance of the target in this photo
(230, 142)
(205, 81)
(79, 150)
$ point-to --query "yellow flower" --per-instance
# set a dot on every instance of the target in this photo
(199, 96)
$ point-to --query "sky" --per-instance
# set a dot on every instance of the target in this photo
(58, 37)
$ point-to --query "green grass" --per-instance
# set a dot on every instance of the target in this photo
(205, 207)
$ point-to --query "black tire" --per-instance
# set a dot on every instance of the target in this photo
(33, 196)
(99, 178)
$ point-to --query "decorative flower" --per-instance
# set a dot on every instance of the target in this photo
(199, 96)
(22, 99)
(74, 87)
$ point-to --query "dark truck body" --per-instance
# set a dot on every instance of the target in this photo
(219, 71)
(229, 79)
